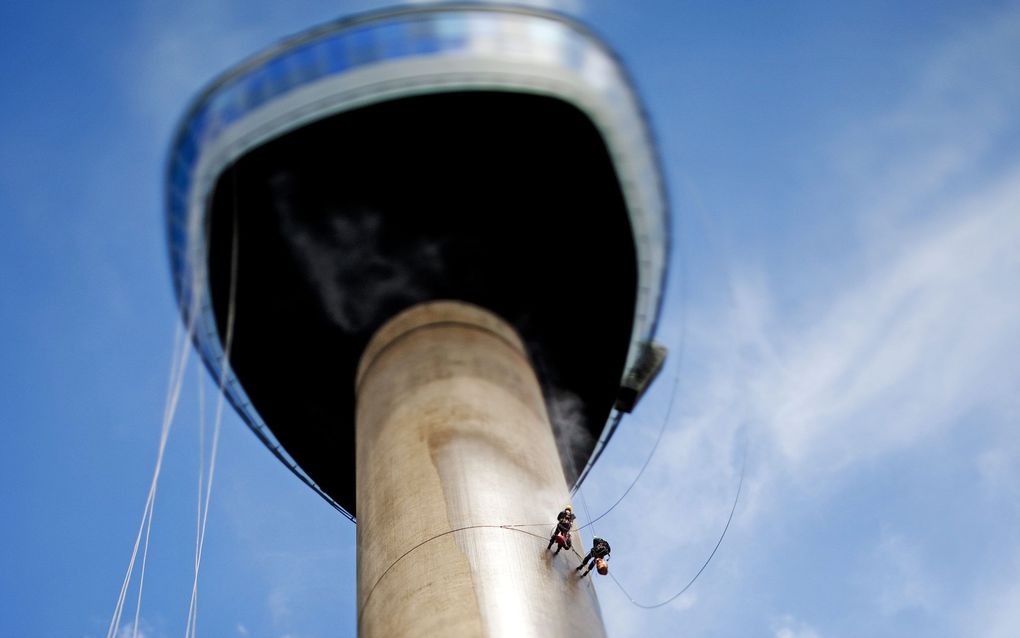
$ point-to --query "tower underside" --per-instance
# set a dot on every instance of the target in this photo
(508, 201)
(496, 155)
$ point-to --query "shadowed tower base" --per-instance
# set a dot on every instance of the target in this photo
(453, 434)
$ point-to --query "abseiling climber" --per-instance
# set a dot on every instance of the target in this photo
(561, 533)
(599, 554)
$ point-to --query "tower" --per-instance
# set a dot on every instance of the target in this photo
(435, 236)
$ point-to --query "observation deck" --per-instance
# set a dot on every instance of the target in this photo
(493, 155)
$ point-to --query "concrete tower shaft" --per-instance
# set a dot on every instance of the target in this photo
(452, 434)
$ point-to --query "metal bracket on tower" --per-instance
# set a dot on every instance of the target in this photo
(648, 365)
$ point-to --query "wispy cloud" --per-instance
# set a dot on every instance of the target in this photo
(913, 329)
(999, 471)
(128, 631)
(924, 337)
(790, 627)
(279, 604)
(994, 612)
(182, 46)
(903, 583)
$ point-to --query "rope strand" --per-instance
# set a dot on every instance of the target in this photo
(201, 481)
(512, 528)
(218, 419)
(179, 361)
(733, 509)
(648, 459)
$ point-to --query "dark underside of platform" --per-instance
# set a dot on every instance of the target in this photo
(504, 200)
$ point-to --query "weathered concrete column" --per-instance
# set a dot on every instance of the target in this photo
(453, 441)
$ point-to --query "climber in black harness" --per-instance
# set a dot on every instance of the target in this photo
(561, 533)
(599, 550)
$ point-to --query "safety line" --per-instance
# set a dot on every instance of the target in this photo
(512, 528)
(201, 477)
(678, 356)
(584, 503)
(218, 419)
(707, 561)
(178, 365)
(648, 459)
(169, 416)
(141, 572)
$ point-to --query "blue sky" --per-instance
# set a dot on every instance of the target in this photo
(844, 304)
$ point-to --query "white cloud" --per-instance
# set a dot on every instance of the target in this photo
(906, 335)
(999, 615)
(899, 577)
(279, 604)
(993, 610)
(241, 630)
(128, 630)
(999, 471)
(923, 327)
(182, 46)
(925, 336)
(952, 115)
(790, 627)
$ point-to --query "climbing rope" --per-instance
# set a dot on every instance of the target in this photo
(729, 519)
(511, 528)
(681, 347)
(584, 504)
(637, 477)
(648, 459)
(516, 528)
(178, 365)
(228, 341)
(188, 627)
